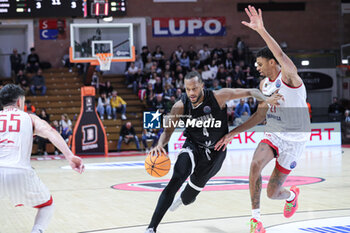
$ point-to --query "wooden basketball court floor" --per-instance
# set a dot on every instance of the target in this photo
(87, 203)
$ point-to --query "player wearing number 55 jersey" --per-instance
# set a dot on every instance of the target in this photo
(287, 128)
(18, 181)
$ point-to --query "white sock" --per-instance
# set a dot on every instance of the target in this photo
(256, 214)
(42, 219)
(291, 197)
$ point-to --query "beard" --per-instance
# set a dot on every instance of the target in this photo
(198, 98)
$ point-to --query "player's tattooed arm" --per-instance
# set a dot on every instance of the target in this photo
(172, 118)
(289, 70)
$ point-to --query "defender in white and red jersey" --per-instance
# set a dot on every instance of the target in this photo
(18, 181)
(287, 128)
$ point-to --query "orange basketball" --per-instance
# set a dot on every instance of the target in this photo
(157, 166)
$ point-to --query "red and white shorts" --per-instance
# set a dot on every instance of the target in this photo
(287, 153)
(23, 187)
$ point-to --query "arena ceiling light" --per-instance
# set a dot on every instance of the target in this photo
(305, 62)
(344, 61)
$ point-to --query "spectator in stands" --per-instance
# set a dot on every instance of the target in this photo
(238, 76)
(158, 56)
(335, 110)
(66, 127)
(159, 104)
(179, 52)
(107, 88)
(228, 82)
(147, 69)
(192, 54)
(218, 53)
(23, 80)
(168, 92)
(179, 82)
(33, 61)
(118, 105)
(44, 115)
(169, 104)
(167, 79)
(38, 83)
(179, 70)
(204, 55)
(185, 61)
(230, 111)
(16, 61)
(42, 141)
(149, 134)
(173, 61)
(216, 85)
(253, 106)
(221, 75)
(29, 108)
(251, 81)
(239, 43)
(335, 107)
(241, 108)
(213, 67)
(347, 116)
(150, 94)
(158, 86)
(139, 62)
(145, 55)
(95, 81)
(178, 94)
(131, 75)
(167, 69)
(103, 105)
(127, 134)
(207, 76)
(57, 127)
(228, 62)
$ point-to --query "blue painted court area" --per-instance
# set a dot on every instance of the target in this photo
(331, 229)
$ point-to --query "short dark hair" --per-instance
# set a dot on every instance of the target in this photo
(9, 94)
(266, 53)
(193, 74)
(32, 49)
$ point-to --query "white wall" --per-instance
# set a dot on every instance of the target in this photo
(14, 34)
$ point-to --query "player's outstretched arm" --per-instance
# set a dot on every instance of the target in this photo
(171, 118)
(256, 23)
(43, 129)
(255, 119)
(226, 94)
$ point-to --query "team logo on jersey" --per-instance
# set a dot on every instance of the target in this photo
(151, 120)
(293, 165)
(207, 109)
(278, 83)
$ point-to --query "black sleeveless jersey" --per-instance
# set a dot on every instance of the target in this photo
(205, 124)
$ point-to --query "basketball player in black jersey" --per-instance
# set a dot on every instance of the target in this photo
(205, 118)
